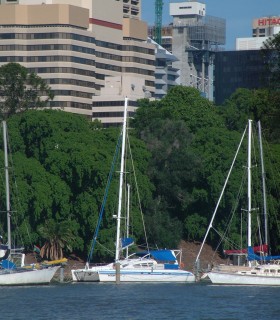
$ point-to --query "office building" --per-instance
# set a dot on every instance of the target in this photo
(245, 67)
(262, 29)
(238, 69)
(76, 44)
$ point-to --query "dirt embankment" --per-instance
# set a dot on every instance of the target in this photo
(208, 255)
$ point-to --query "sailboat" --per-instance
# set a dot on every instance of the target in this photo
(10, 273)
(261, 269)
(148, 266)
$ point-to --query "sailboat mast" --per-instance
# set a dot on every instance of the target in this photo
(117, 256)
(8, 208)
(127, 215)
(249, 183)
(263, 185)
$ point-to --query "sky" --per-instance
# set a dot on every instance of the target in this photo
(239, 14)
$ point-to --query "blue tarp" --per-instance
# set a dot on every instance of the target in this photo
(126, 242)
(160, 255)
(6, 264)
(252, 256)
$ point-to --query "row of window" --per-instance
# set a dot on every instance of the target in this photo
(113, 103)
(120, 47)
(105, 66)
(104, 55)
(69, 104)
(48, 59)
(47, 35)
(72, 93)
(78, 37)
(47, 47)
(72, 82)
(82, 72)
(110, 114)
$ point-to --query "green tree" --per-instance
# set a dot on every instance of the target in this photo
(21, 90)
(58, 237)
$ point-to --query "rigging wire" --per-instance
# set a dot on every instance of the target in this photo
(104, 199)
(138, 196)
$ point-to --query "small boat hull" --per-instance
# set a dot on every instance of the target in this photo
(243, 279)
(27, 276)
(85, 275)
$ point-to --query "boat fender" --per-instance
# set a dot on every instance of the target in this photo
(7, 253)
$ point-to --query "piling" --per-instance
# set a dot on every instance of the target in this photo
(118, 273)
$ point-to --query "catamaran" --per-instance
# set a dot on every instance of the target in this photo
(147, 266)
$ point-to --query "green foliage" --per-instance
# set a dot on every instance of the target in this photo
(58, 235)
(182, 147)
(61, 164)
(195, 226)
(21, 90)
(193, 143)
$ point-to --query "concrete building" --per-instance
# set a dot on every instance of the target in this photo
(108, 107)
(196, 37)
(75, 44)
(262, 29)
(166, 36)
(166, 76)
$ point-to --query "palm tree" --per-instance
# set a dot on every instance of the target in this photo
(58, 236)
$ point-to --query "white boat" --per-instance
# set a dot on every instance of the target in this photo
(149, 266)
(10, 273)
(261, 275)
(138, 269)
(261, 269)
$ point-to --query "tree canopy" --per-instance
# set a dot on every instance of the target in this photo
(192, 143)
(182, 147)
(21, 90)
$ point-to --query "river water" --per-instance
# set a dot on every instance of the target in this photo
(198, 301)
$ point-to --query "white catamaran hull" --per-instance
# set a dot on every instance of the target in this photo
(27, 277)
(243, 279)
(88, 275)
(147, 276)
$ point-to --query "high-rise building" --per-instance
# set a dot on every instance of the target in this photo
(245, 67)
(196, 37)
(262, 29)
(75, 44)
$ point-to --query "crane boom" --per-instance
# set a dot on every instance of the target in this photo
(158, 20)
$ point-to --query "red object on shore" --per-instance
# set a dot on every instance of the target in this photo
(257, 249)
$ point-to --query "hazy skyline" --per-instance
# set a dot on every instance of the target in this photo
(239, 14)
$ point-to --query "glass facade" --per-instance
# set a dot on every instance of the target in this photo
(238, 69)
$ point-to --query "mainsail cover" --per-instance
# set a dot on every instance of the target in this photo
(126, 242)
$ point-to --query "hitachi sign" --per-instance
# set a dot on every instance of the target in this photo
(269, 21)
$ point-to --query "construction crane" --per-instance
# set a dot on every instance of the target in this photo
(158, 20)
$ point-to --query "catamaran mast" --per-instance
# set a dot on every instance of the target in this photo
(8, 208)
(117, 256)
(249, 183)
(263, 185)
(127, 215)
